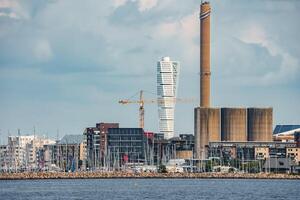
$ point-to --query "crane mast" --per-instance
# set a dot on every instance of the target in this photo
(142, 111)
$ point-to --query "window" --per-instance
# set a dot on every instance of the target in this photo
(281, 163)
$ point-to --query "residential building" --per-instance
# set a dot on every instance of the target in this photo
(22, 152)
(125, 145)
(96, 140)
(3, 158)
(17, 152)
(294, 154)
(71, 152)
(182, 146)
(261, 153)
(167, 82)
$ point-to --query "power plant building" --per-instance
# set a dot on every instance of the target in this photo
(207, 128)
(260, 124)
(206, 120)
(223, 124)
(167, 81)
(234, 124)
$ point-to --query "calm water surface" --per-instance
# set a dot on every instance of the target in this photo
(150, 189)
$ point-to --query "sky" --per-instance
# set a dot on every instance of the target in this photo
(65, 64)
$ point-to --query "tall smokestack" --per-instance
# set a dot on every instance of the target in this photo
(205, 54)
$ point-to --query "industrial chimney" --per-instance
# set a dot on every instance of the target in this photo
(205, 54)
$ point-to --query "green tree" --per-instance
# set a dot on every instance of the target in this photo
(162, 169)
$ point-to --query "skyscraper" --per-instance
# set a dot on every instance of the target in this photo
(167, 81)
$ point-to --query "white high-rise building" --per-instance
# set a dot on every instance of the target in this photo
(21, 152)
(167, 81)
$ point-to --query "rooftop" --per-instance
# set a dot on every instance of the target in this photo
(285, 128)
(72, 139)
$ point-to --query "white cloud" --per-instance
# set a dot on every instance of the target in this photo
(256, 34)
(187, 28)
(118, 3)
(143, 5)
(10, 15)
(10, 5)
(183, 32)
(146, 4)
(15, 8)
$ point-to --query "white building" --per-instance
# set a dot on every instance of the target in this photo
(17, 151)
(21, 152)
(167, 81)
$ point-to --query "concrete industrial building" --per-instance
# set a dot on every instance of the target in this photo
(260, 124)
(234, 124)
(167, 81)
(207, 128)
(223, 124)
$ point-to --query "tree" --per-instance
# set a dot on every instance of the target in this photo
(162, 169)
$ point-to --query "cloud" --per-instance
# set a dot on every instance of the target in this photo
(7, 7)
(12, 9)
(185, 32)
(89, 54)
(118, 3)
(289, 66)
(145, 5)
(10, 15)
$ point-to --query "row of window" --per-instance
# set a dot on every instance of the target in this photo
(117, 143)
(125, 150)
(292, 149)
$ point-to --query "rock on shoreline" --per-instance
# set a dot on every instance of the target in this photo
(111, 175)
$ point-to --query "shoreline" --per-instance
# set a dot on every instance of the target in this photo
(123, 175)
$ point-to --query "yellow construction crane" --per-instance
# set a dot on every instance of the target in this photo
(142, 102)
(141, 108)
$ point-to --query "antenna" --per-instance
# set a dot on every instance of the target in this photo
(57, 134)
(33, 131)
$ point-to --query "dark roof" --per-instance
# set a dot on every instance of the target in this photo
(72, 139)
(284, 128)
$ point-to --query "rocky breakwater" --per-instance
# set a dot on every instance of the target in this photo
(110, 175)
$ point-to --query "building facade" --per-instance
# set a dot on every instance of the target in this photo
(22, 152)
(3, 157)
(167, 82)
(125, 145)
(96, 140)
(255, 156)
(70, 153)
